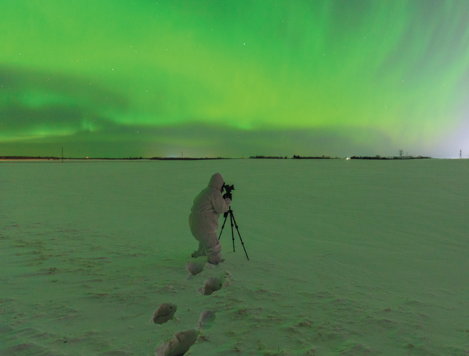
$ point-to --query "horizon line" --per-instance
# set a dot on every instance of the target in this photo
(376, 157)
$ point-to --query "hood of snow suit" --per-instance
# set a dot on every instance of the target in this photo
(216, 181)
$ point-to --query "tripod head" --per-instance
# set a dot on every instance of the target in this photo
(228, 189)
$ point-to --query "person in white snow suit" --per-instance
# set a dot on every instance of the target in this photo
(203, 219)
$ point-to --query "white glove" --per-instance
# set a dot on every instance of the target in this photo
(228, 201)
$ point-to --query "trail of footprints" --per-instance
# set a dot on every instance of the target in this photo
(183, 340)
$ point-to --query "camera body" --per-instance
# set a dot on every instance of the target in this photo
(228, 189)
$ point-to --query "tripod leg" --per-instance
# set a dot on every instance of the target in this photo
(242, 243)
(223, 227)
(232, 234)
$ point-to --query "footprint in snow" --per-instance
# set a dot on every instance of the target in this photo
(206, 320)
(164, 313)
(211, 284)
(178, 345)
(194, 268)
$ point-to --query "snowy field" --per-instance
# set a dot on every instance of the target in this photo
(345, 258)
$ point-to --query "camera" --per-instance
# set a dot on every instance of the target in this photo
(228, 189)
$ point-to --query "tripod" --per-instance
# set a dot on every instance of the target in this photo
(232, 219)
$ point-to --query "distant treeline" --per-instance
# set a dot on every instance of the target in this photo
(294, 157)
(268, 157)
(322, 157)
(184, 159)
(208, 158)
(26, 157)
(395, 157)
(95, 158)
(57, 158)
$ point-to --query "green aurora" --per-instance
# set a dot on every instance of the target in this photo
(115, 78)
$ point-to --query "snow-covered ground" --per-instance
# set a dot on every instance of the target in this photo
(345, 258)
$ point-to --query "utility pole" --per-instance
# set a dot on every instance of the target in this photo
(460, 153)
(400, 153)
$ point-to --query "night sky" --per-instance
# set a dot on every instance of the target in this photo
(115, 78)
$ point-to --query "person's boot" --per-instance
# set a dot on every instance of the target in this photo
(196, 254)
(222, 260)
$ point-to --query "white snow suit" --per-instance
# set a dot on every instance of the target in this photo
(203, 220)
